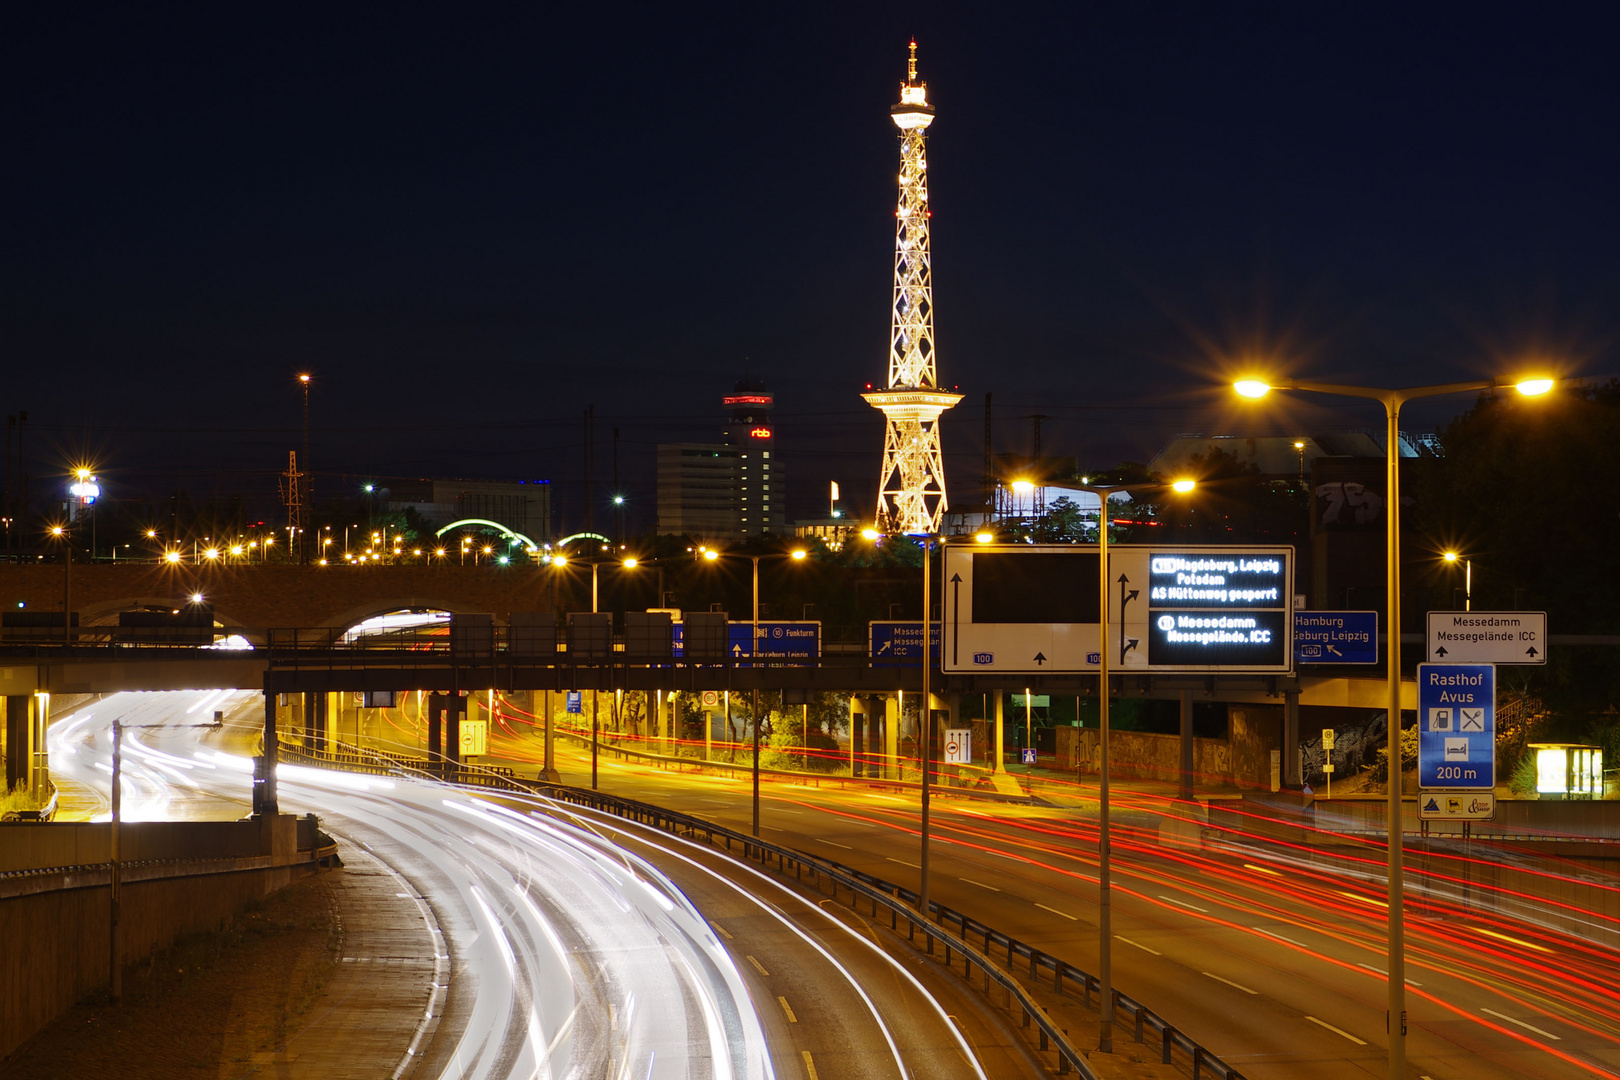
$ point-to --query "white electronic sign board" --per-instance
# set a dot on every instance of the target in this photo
(1034, 607)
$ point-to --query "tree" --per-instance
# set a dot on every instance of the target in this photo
(1529, 490)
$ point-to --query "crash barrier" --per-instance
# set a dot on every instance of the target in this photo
(974, 941)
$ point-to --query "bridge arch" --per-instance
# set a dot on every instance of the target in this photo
(349, 618)
(488, 524)
(106, 612)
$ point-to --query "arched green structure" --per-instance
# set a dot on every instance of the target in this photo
(565, 541)
(513, 533)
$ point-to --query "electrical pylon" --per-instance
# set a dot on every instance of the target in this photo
(911, 487)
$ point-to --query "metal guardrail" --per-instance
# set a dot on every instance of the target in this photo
(901, 903)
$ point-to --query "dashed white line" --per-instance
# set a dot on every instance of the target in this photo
(1138, 945)
(834, 843)
(1184, 903)
(1337, 1031)
(1055, 911)
(980, 884)
(1229, 982)
(1521, 1023)
(1279, 937)
(902, 862)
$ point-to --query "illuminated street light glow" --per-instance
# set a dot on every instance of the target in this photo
(985, 538)
(1533, 387)
(1023, 487)
(871, 534)
(800, 553)
(1450, 556)
(196, 598)
(710, 554)
(630, 563)
(1183, 486)
(1252, 388)
(171, 556)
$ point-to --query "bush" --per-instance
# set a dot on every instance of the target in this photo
(1522, 782)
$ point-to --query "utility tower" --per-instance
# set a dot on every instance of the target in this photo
(292, 496)
(911, 488)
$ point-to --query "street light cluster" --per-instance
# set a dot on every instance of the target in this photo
(1256, 388)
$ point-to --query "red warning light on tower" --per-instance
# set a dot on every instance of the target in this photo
(759, 433)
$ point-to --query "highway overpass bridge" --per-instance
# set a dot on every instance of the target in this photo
(312, 680)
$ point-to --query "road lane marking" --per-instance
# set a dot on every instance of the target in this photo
(787, 1009)
(1279, 937)
(759, 967)
(721, 929)
(834, 843)
(1055, 911)
(1184, 903)
(1521, 1023)
(1337, 1031)
(902, 862)
(1512, 940)
(1229, 982)
(1385, 974)
(810, 1066)
(980, 884)
(1139, 945)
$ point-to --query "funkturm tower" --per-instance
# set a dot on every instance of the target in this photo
(911, 489)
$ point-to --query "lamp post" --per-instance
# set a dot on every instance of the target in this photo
(1468, 578)
(927, 717)
(797, 555)
(1105, 938)
(61, 533)
(1395, 1019)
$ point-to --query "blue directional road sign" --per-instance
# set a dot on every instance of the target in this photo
(1335, 637)
(899, 640)
(1029, 755)
(576, 703)
(1456, 727)
(779, 642)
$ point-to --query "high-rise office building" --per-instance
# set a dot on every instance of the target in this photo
(734, 489)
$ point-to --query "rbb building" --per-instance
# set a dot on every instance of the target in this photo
(730, 490)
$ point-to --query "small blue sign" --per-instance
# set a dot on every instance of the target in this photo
(576, 703)
(900, 640)
(779, 642)
(1029, 755)
(1335, 637)
(1456, 727)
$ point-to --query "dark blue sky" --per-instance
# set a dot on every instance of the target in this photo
(471, 225)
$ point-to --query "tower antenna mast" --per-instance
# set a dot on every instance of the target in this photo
(911, 486)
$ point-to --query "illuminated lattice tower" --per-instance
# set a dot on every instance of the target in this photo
(911, 488)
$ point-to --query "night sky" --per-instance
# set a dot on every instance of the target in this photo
(472, 224)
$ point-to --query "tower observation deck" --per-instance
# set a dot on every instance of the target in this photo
(911, 488)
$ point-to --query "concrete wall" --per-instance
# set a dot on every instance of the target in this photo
(56, 942)
(1145, 756)
(39, 847)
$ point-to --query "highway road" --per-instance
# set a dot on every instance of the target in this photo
(1271, 957)
(576, 945)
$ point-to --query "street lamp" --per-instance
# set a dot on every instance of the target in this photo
(1105, 939)
(797, 555)
(1392, 401)
(1468, 578)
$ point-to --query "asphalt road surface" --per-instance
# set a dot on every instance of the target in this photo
(576, 945)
